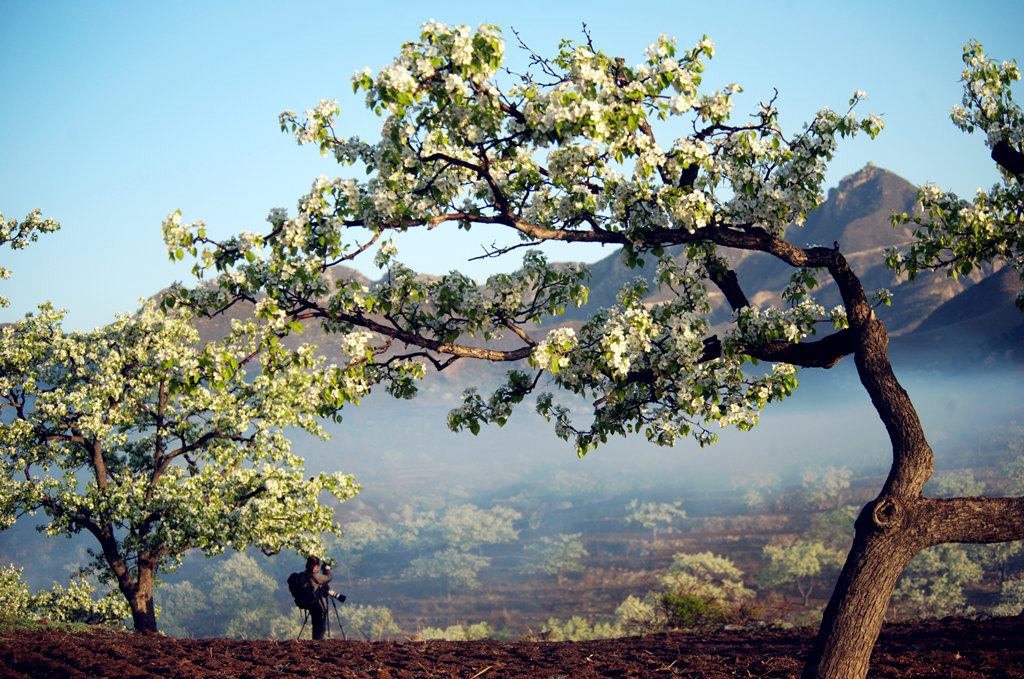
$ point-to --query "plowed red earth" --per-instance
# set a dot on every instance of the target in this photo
(946, 648)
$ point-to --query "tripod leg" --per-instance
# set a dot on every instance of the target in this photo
(305, 618)
(338, 618)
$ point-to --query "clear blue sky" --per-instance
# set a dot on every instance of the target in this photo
(117, 113)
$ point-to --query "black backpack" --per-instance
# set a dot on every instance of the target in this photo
(302, 589)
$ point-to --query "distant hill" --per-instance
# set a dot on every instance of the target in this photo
(979, 326)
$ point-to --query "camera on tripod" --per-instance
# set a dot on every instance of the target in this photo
(325, 568)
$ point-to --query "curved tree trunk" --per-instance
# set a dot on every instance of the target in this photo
(854, 615)
(897, 525)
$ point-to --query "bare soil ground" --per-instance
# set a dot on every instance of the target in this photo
(951, 648)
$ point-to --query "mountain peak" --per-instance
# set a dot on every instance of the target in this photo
(871, 183)
(865, 174)
(857, 212)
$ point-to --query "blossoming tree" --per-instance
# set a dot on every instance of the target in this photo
(572, 151)
(155, 444)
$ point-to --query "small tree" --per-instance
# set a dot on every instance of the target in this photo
(232, 597)
(701, 589)
(825, 484)
(757, 489)
(576, 628)
(834, 529)
(804, 563)
(933, 583)
(372, 623)
(955, 484)
(361, 539)
(459, 632)
(453, 567)
(650, 514)
(465, 526)
(1011, 598)
(154, 444)
(635, 615)
(556, 555)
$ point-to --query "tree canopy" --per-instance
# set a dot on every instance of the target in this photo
(582, 148)
(568, 153)
(154, 443)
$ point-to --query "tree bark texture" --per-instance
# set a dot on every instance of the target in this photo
(140, 600)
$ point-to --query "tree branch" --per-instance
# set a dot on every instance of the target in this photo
(1008, 158)
(970, 519)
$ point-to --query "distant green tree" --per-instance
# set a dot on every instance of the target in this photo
(555, 555)
(997, 559)
(707, 574)
(932, 585)
(803, 563)
(651, 514)
(460, 632)
(451, 566)
(823, 485)
(468, 527)
(701, 589)
(182, 604)
(232, 597)
(1014, 470)
(464, 526)
(243, 599)
(577, 628)
(1011, 598)
(834, 529)
(449, 540)
(954, 484)
(757, 488)
(359, 541)
(635, 615)
(372, 623)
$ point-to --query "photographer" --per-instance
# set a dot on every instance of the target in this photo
(319, 573)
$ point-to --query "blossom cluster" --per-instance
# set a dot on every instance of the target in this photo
(17, 235)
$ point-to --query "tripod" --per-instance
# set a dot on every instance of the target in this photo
(334, 604)
(327, 619)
